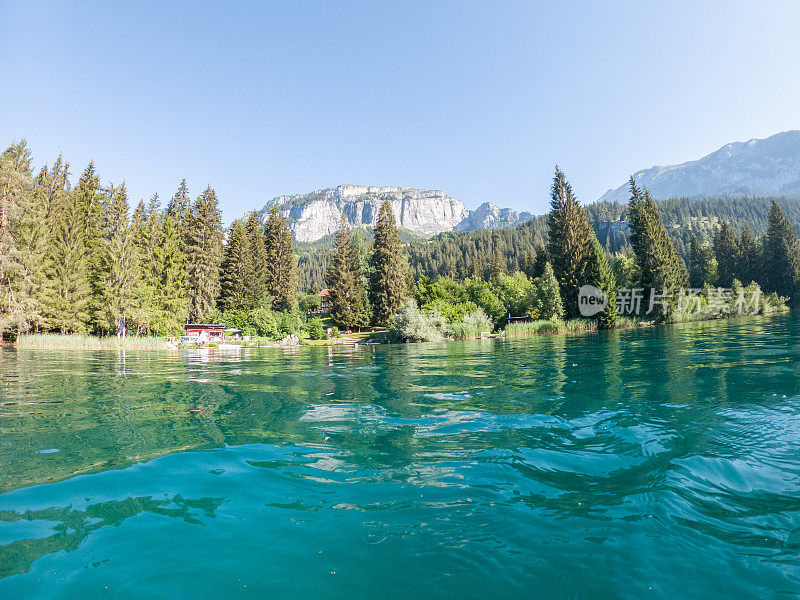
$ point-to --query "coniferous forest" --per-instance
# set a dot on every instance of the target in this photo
(76, 257)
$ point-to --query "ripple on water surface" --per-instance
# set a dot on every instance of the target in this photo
(635, 464)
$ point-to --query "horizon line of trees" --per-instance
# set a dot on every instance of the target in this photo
(74, 260)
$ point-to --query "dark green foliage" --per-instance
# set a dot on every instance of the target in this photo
(464, 254)
(348, 303)
(69, 294)
(92, 201)
(204, 253)
(18, 302)
(781, 255)
(600, 276)
(234, 270)
(549, 295)
(661, 268)
(120, 265)
(179, 208)
(727, 253)
(390, 275)
(256, 291)
(307, 303)
(568, 248)
(169, 266)
(161, 306)
(752, 258)
(702, 265)
(687, 217)
(315, 329)
(281, 262)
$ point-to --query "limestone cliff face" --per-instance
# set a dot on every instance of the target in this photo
(489, 216)
(428, 212)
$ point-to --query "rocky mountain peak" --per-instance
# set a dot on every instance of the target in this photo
(757, 167)
(427, 212)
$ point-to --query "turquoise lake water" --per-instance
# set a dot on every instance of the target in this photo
(631, 464)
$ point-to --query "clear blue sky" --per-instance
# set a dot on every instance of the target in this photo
(480, 100)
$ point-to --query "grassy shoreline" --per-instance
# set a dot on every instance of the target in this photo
(54, 341)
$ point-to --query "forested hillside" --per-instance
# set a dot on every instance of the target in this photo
(480, 253)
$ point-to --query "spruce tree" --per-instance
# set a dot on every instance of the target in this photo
(661, 268)
(362, 250)
(549, 295)
(727, 253)
(69, 293)
(600, 276)
(92, 202)
(234, 269)
(120, 264)
(173, 306)
(390, 274)
(146, 226)
(569, 244)
(281, 262)
(18, 301)
(752, 258)
(702, 265)
(161, 303)
(179, 208)
(781, 254)
(348, 309)
(255, 281)
(204, 246)
(540, 261)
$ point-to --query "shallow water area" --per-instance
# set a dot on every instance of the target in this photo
(655, 463)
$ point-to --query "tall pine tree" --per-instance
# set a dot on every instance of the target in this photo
(179, 208)
(751, 267)
(728, 255)
(171, 301)
(390, 274)
(120, 264)
(702, 265)
(69, 291)
(18, 301)
(281, 262)
(255, 282)
(661, 268)
(599, 275)
(204, 253)
(549, 295)
(92, 200)
(569, 245)
(348, 306)
(234, 269)
(781, 254)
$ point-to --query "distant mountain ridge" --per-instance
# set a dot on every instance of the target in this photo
(766, 167)
(315, 215)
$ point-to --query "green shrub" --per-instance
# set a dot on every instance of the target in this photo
(411, 324)
(315, 329)
(288, 322)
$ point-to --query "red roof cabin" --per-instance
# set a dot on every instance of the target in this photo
(211, 332)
